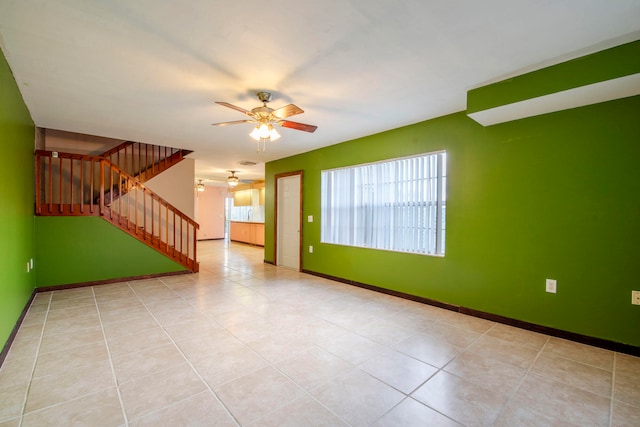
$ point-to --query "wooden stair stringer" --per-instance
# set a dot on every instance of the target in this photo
(151, 171)
(148, 239)
(161, 165)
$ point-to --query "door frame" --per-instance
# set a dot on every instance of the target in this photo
(276, 219)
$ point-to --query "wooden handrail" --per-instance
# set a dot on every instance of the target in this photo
(74, 187)
(138, 162)
(121, 198)
(117, 148)
(133, 160)
(63, 155)
(142, 186)
(133, 219)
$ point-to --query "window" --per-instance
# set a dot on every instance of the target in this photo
(397, 205)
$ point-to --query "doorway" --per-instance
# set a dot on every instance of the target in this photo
(289, 219)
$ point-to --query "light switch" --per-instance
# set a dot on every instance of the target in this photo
(310, 218)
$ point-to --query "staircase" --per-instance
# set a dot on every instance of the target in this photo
(112, 186)
(144, 161)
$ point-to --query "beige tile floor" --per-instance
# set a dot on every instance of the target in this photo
(246, 343)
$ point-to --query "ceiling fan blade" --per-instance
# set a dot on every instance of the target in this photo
(298, 126)
(233, 107)
(235, 122)
(287, 111)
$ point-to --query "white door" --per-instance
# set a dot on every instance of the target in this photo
(288, 222)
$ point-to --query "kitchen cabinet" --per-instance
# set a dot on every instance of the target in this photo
(244, 197)
(247, 232)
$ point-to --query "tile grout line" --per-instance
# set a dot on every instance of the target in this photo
(441, 369)
(438, 369)
(193, 368)
(613, 384)
(563, 357)
(35, 360)
(272, 365)
(276, 297)
(113, 371)
(305, 391)
(391, 348)
(515, 391)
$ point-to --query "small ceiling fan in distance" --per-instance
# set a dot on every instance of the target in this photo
(265, 118)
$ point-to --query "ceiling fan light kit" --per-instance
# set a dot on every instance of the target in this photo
(264, 131)
(265, 118)
(233, 179)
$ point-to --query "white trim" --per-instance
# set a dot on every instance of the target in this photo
(609, 90)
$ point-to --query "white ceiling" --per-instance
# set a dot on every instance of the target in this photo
(150, 70)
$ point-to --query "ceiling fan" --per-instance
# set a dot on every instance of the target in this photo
(265, 117)
(231, 180)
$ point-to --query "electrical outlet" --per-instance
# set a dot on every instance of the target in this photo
(635, 297)
(551, 286)
(310, 218)
(310, 249)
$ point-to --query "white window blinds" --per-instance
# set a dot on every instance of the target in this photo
(397, 205)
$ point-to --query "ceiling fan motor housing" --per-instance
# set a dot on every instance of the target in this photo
(264, 112)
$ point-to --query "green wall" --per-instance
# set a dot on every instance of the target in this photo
(86, 249)
(608, 64)
(553, 196)
(17, 135)
(65, 249)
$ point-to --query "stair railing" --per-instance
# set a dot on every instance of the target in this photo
(143, 161)
(67, 184)
(142, 213)
(81, 185)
